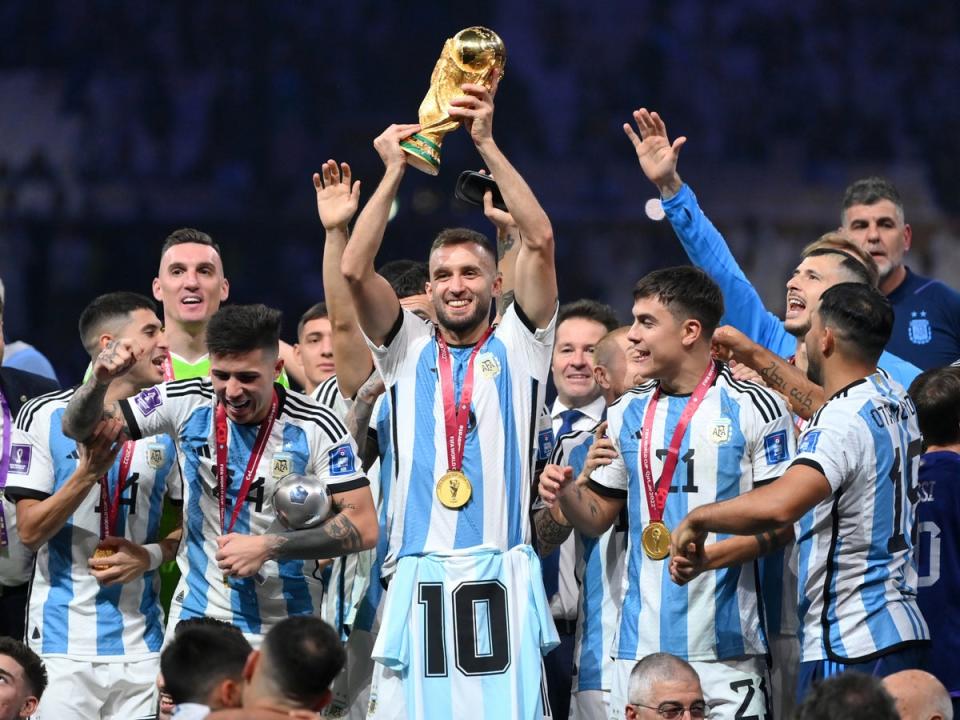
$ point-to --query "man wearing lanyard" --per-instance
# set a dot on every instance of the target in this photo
(691, 435)
(16, 387)
(464, 400)
(91, 513)
(237, 434)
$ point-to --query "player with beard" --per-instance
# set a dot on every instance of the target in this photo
(464, 400)
(851, 496)
(91, 513)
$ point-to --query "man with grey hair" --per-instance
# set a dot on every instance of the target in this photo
(665, 686)
(919, 696)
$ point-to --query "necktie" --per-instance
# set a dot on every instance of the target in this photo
(551, 563)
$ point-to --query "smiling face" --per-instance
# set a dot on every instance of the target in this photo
(190, 284)
(804, 288)
(463, 282)
(315, 350)
(880, 230)
(572, 364)
(244, 383)
(145, 329)
(658, 338)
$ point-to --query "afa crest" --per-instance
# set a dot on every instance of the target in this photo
(281, 465)
(919, 330)
(155, 455)
(721, 431)
(489, 365)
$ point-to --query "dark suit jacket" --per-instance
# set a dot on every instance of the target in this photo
(19, 386)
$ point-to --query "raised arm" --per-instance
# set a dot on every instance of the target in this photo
(508, 246)
(86, 407)
(535, 274)
(702, 242)
(337, 201)
(374, 300)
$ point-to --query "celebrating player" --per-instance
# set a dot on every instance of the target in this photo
(691, 436)
(464, 401)
(237, 434)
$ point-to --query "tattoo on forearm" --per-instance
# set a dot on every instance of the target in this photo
(505, 242)
(768, 542)
(550, 533)
(800, 400)
(85, 409)
(773, 378)
(338, 536)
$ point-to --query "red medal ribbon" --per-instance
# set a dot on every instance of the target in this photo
(168, 368)
(657, 494)
(109, 511)
(259, 445)
(456, 415)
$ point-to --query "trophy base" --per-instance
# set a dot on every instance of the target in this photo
(422, 154)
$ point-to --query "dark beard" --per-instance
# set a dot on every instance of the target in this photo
(461, 326)
(814, 371)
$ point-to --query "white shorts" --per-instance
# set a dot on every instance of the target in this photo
(590, 705)
(733, 688)
(83, 690)
(785, 650)
(351, 688)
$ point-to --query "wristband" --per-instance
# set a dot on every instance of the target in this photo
(155, 551)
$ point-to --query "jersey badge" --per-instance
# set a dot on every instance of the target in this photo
(489, 365)
(775, 446)
(721, 431)
(148, 400)
(281, 465)
(155, 455)
(20, 456)
(919, 330)
(808, 443)
(342, 461)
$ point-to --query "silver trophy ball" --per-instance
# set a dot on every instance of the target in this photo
(301, 501)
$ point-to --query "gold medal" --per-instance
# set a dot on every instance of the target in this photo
(454, 490)
(103, 553)
(655, 540)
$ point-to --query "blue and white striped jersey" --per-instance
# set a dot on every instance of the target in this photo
(510, 373)
(858, 576)
(306, 439)
(70, 614)
(599, 572)
(464, 632)
(739, 437)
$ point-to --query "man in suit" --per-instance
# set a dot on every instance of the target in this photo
(16, 387)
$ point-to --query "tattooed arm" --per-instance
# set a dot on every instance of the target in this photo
(551, 531)
(585, 509)
(86, 407)
(730, 552)
(358, 418)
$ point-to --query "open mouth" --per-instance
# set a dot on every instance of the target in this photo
(795, 305)
(191, 300)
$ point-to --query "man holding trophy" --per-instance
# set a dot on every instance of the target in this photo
(465, 621)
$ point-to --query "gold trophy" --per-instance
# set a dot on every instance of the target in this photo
(470, 56)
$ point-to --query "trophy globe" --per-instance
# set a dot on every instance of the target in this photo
(301, 501)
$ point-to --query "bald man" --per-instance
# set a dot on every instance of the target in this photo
(919, 696)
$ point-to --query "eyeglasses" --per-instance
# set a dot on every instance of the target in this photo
(672, 710)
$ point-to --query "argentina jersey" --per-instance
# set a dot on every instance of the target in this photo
(599, 571)
(509, 376)
(306, 439)
(463, 634)
(739, 437)
(857, 573)
(70, 614)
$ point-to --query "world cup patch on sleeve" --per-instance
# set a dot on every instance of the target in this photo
(775, 446)
(808, 441)
(148, 400)
(20, 456)
(342, 460)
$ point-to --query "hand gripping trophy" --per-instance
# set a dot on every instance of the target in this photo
(470, 56)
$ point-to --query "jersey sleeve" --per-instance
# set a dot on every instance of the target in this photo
(163, 408)
(388, 358)
(335, 459)
(707, 249)
(774, 443)
(612, 480)
(533, 345)
(830, 447)
(31, 474)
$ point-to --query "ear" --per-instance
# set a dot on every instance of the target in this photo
(229, 694)
(29, 707)
(691, 331)
(323, 701)
(828, 342)
(278, 368)
(157, 295)
(250, 667)
(104, 340)
(629, 713)
(600, 376)
(497, 286)
(907, 237)
(428, 289)
(296, 353)
(224, 290)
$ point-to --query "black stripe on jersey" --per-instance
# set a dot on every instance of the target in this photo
(831, 570)
(329, 429)
(810, 463)
(14, 493)
(190, 386)
(30, 408)
(534, 416)
(607, 492)
(816, 416)
(130, 419)
(634, 392)
(327, 392)
(393, 431)
(311, 408)
(763, 398)
(336, 488)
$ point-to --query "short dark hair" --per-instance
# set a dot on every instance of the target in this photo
(314, 312)
(301, 657)
(849, 263)
(869, 191)
(393, 269)
(33, 668)
(591, 310)
(849, 696)
(412, 281)
(860, 316)
(239, 329)
(188, 235)
(936, 394)
(687, 292)
(463, 236)
(110, 308)
(199, 658)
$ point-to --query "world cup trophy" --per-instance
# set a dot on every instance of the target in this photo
(470, 56)
(301, 501)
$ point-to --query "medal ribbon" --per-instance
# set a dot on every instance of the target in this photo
(110, 511)
(259, 445)
(4, 462)
(168, 368)
(456, 415)
(657, 494)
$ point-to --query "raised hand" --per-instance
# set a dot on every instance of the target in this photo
(657, 156)
(97, 453)
(387, 144)
(337, 197)
(502, 220)
(728, 343)
(601, 453)
(475, 109)
(554, 480)
(116, 359)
